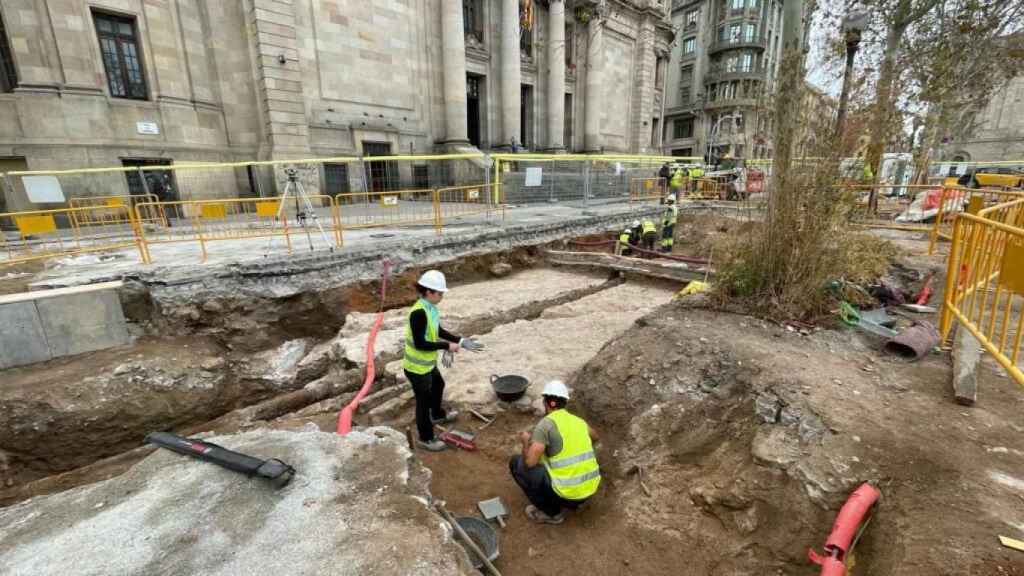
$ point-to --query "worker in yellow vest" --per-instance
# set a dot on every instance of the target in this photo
(424, 339)
(649, 234)
(668, 226)
(677, 183)
(696, 172)
(622, 245)
(557, 468)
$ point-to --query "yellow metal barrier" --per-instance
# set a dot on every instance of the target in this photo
(50, 233)
(239, 219)
(460, 201)
(954, 200)
(356, 210)
(985, 281)
(105, 208)
(706, 189)
(641, 189)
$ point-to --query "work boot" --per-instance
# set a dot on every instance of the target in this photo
(534, 513)
(434, 445)
(448, 418)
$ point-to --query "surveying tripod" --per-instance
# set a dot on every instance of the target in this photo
(303, 210)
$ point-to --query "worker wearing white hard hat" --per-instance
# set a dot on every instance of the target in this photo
(424, 340)
(557, 467)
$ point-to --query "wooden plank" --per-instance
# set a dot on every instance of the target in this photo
(966, 356)
(1011, 543)
(664, 269)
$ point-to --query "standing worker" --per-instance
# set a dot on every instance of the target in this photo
(668, 226)
(696, 172)
(677, 183)
(424, 337)
(650, 234)
(557, 467)
(665, 172)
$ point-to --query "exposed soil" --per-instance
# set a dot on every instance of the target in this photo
(750, 434)
(15, 278)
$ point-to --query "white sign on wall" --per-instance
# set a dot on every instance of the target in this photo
(147, 128)
(42, 189)
(533, 176)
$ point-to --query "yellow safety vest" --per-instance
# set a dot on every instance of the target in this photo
(415, 360)
(574, 472)
(697, 173)
(677, 179)
(624, 236)
(670, 216)
(649, 226)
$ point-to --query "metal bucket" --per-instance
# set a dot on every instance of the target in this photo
(509, 388)
(483, 535)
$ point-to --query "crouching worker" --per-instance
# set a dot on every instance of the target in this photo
(424, 338)
(557, 468)
(622, 245)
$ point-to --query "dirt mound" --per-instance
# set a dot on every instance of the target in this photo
(751, 436)
(357, 505)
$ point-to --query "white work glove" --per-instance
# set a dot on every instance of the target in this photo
(471, 344)
(447, 358)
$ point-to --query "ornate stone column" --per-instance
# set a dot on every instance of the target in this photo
(556, 75)
(454, 60)
(592, 99)
(511, 94)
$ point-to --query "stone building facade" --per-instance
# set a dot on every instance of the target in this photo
(998, 132)
(135, 82)
(723, 66)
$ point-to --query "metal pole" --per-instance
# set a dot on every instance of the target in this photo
(852, 44)
(586, 180)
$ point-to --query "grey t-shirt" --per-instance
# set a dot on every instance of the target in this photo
(546, 433)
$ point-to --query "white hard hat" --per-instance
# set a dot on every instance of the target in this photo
(433, 280)
(556, 388)
(636, 223)
(670, 200)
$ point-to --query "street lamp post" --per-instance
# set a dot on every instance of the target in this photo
(853, 25)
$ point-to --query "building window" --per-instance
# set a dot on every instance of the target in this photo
(747, 63)
(335, 179)
(471, 19)
(8, 75)
(689, 45)
(570, 47)
(120, 48)
(737, 5)
(749, 32)
(730, 64)
(686, 74)
(691, 18)
(682, 128)
(735, 32)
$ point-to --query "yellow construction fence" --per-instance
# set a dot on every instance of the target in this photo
(985, 281)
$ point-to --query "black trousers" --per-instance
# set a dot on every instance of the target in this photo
(428, 388)
(536, 484)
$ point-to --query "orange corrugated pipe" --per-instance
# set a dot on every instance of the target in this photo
(345, 416)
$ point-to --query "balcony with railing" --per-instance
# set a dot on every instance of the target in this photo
(724, 72)
(759, 41)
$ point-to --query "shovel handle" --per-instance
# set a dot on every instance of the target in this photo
(501, 521)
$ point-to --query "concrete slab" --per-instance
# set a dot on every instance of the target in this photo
(22, 340)
(58, 292)
(966, 356)
(82, 322)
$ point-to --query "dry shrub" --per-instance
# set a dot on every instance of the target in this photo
(783, 267)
